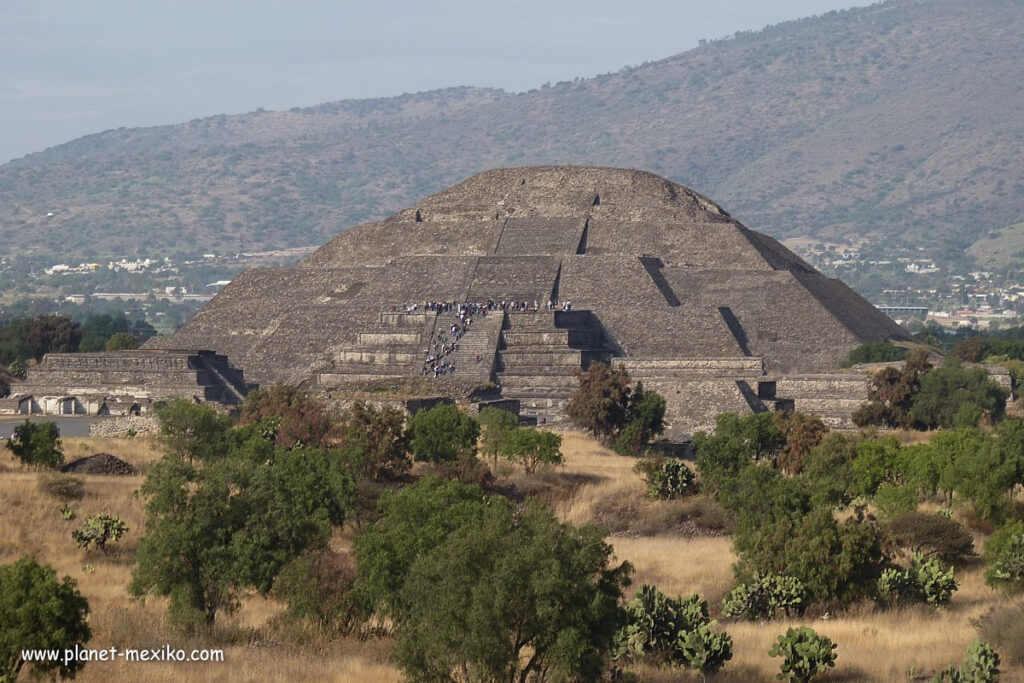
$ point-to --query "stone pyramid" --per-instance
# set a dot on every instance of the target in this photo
(659, 278)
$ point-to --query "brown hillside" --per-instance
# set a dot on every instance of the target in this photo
(899, 121)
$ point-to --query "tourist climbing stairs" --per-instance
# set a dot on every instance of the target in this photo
(474, 355)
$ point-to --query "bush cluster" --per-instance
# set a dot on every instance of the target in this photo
(918, 396)
(672, 631)
(804, 654)
(764, 596)
(923, 581)
(666, 478)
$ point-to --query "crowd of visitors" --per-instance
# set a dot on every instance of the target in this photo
(446, 341)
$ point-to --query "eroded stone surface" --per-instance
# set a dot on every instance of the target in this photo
(653, 271)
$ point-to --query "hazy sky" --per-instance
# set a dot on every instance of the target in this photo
(74, 67)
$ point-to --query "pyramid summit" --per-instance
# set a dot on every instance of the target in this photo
(621, 265)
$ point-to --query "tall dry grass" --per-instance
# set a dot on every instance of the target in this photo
(30, 523)
(595, 484)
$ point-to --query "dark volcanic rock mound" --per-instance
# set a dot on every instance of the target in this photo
(101, 463)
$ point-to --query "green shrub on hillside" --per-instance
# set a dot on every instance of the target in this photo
(874, 352)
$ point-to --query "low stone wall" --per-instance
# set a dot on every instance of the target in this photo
(119, 426)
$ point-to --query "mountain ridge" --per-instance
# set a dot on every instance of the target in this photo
(899, 121)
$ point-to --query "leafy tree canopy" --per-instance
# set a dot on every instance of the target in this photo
(947, 393)
(442, 434)
(193, 431)
(601, 403)
(378, 436)
(874, 352)
(495, 425)
(234, 523)
(37, 611)
(298, 419)
(37, 443)
(736, 443)
(511, 599)
(414, 520)
(531, 447)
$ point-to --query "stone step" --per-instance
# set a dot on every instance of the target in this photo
(546, 356)
(571, 338)
(388, 339)
(480, 339)
(376, 357)
(330, 379)
(410, 320)
(828, 406)
(513, 385)
(537, 370)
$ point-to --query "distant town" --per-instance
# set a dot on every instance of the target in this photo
(914, 289)
(910, 288)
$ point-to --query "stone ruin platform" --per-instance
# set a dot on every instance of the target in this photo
(125, 382)
(658, 278)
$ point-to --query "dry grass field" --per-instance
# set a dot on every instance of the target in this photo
(681, 546)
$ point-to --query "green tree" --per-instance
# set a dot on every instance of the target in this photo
(828, 470)
(1004, 557)
(645, 420)
(495, 425)
(39, 612)
(601, 402)
(318, 586)
(932, 535)
(952, 391)
(891, 393)
(37, 444)
(736, 443)
(877, 462)
(801, 433)
(18, 369)
(980, 469)
(51, 333)
(12, 343)
(233, 524)
(833, 561)
(298, 418)
(442, 434)
(532, 447)
(414, 520)
(193, 431)
(378, 435)
(120, 341)
(873, 352)
(511, 599)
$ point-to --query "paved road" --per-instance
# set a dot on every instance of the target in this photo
(69, 426)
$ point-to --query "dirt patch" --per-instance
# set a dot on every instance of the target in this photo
(101, 463)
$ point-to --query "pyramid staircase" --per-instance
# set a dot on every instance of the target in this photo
(481, 339)
(393, 349)
(539, 354)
